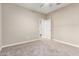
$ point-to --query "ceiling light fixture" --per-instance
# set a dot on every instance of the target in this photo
(48, 4)
(58, 3)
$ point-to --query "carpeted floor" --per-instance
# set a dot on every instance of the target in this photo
(40, 48)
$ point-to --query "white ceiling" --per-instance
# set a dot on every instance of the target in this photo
(45, 9)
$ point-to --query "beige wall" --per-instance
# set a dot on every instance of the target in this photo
(66, 24)
(19, 24)
(0, 27)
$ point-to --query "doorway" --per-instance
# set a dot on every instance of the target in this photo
(45, 28)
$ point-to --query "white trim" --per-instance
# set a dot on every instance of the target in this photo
(19, 43)
(67, 43)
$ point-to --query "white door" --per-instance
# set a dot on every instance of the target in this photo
(45, 26)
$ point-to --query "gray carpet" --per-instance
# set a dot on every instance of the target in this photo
(40, 48)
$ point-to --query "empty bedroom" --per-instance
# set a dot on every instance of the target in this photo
(39, 29)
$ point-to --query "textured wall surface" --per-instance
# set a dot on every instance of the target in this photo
(66, 24)
(19, 24)
(0, 26)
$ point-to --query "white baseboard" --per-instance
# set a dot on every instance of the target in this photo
(19, 43)
(67, 43)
